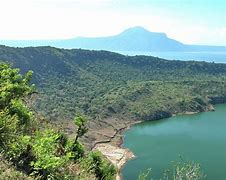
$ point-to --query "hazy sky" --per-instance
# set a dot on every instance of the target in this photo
(189, 21)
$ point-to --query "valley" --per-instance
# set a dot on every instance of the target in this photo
(113, 90)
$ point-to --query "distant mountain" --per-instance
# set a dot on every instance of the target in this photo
(132, 39)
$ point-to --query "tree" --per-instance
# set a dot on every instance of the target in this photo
(14, 114)
(48, 162)
(76, 147)
(101, 166)
(32, 148)
(13, 86)
(82, 128)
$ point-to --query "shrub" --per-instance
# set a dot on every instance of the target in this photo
(102, 168)
(47, 161)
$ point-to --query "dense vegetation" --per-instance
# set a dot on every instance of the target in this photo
(103, 84)
(98, 84)
(30, 149)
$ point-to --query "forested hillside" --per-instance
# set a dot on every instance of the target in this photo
(102, 84)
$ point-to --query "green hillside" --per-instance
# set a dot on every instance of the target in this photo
(106, 84)
(111, 90)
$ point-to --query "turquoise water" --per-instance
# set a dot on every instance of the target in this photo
(217, 57)
(200, 137)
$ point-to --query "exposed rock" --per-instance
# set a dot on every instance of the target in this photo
(118, 156)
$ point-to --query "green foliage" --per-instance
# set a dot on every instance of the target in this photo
(99, 84)
(40, 152)
(20, 109)
(77, 150)
(14, 114)
(18, 146)
(80, 122)
(102, 168)
(45, 147)
(103, 84)
(8, 128)
(19, 152)
(13, 86)
(8, 172)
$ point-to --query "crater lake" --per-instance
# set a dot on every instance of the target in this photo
(157, 144)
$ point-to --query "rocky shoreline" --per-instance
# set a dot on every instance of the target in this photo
(118, 156)
(111, 147)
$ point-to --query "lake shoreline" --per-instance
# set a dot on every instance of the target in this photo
(179, 133)
(112, 148)
(107, 147)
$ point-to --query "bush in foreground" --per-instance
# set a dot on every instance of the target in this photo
(37, 151)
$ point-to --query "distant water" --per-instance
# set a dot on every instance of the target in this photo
(200, 137)
(217, 57)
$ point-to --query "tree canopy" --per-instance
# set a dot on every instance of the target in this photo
(41, 152)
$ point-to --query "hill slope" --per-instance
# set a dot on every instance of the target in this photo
(132, 39)
(105, 84)
(113, 90)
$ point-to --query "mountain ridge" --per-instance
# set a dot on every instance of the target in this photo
(103, 82)
(110, 88)
(132, 39)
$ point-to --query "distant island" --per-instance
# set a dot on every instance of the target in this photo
(132, 39)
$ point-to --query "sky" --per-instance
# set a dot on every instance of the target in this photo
(189, 21)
